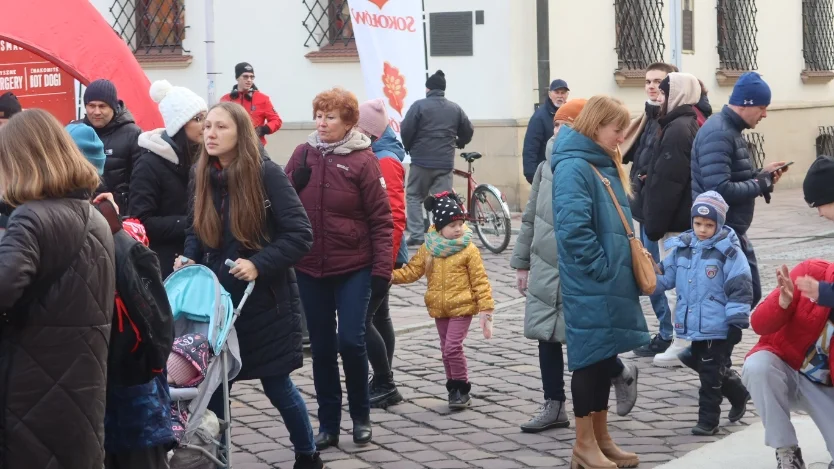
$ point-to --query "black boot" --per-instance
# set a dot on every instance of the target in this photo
(325, 440)
(459, 394)
(362, 432)
(384, 392)
(735, 392)
(308, 461)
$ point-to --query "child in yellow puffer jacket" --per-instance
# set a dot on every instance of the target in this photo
(458, 288)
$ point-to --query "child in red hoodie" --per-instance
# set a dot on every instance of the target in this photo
(790, 368)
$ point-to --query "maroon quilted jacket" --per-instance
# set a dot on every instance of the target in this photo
(348, 206)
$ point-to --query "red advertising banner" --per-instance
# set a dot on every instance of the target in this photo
(37, 82)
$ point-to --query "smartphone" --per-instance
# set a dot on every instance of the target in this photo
(783, 166)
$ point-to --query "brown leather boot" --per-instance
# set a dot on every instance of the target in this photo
(586, 452)
(606, 443)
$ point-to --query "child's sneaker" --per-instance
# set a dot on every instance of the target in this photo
(789, 458)
(703, 429)
(458, 394)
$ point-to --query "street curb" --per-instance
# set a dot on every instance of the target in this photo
(427, 324)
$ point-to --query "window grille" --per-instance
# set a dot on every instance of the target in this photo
(327, 23)
(755, 143)
(737, 49)
(825, 141)
(150, 26)
(639, 29)
(818, 34)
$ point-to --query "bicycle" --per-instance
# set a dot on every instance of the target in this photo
(487, 209)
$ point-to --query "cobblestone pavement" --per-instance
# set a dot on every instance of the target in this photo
(423, 433)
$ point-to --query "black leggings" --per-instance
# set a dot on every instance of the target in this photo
(591, 386)
(379, 336)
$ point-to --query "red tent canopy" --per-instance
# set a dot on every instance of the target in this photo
(74, 36)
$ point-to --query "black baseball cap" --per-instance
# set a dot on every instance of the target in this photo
(558, 84)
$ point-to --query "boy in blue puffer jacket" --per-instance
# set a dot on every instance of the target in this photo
(708, 268)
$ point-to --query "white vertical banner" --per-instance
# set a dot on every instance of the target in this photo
(389, 38)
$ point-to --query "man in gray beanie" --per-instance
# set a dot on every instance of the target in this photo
(431, 130)
(117, 129)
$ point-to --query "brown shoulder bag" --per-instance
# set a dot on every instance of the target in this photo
(642, 263)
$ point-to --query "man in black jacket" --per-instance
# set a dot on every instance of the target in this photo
(540, 127)
(721, 162)
(118, 131)
(638, 149)
(431, 130)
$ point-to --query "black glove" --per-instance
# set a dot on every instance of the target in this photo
(765, 181)
(734, 335)
(379, 286)
(459, 144)
(301, 177)
(262, 130)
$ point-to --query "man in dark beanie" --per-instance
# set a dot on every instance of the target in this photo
(431, 130)
(264, 117)
(818, 188)
(9, 106)
(117, 129)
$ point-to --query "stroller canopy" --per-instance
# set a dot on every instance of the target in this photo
(200, 304)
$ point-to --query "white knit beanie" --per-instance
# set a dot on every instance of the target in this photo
(177, 105)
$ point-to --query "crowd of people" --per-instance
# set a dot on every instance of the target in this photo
(326, 236)
(692, 187)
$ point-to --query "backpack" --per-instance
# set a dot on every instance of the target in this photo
(143, 325)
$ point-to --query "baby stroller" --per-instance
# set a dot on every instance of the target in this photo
(201, 307)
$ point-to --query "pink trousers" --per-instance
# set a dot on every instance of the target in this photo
(452, 332)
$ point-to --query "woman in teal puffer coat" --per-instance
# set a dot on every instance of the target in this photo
(600, 296)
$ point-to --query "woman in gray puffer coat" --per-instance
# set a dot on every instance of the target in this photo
(536, 258)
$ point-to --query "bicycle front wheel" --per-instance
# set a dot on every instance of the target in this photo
(491, 217)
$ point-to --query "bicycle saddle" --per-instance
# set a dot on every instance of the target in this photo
(471, 156)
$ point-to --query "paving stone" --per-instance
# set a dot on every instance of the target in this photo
(447, 464)
(348, 464)
(470, 454)
(541, 461)
(425, 456)
(379, 456)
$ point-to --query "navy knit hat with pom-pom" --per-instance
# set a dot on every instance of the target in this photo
(445, 208)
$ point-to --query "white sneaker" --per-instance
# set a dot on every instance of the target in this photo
(669, 358)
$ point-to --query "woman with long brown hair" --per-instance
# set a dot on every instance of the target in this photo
(57, 282)
(244, 209)
(601, 300)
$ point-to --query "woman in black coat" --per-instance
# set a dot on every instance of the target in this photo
(245, 209)
(57, 281)
(159, 183)
(667, 195)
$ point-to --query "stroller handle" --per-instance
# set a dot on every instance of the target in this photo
(231, 264)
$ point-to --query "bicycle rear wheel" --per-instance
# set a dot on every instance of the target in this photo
(491, 217)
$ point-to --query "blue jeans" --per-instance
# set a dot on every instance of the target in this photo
(659, 303)
(283, 394)
(347, 296)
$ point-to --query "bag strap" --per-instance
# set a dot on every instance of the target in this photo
(607, 185)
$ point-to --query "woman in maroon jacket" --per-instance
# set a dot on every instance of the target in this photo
(340, 184)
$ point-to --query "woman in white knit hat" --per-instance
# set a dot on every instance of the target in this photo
(159, 184)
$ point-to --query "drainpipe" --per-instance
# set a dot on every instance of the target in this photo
(543, 48)
(210, 67)
(676, 32)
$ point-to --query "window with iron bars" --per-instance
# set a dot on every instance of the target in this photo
(755, 143)
(329, 27)
(639, 30)
(151, 27)
(818, 34)
(737, 49)
(825, 141)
